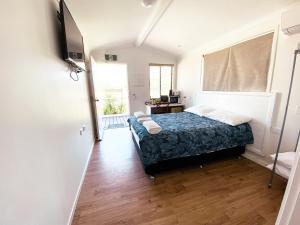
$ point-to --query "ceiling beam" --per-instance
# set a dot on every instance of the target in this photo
(159, 9)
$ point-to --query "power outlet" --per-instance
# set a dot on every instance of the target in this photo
(298, 110)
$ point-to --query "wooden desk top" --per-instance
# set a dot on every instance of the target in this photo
(165, 105)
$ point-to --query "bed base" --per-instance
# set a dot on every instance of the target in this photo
(198, 160)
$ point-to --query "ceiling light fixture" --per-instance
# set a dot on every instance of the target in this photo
(147, 3)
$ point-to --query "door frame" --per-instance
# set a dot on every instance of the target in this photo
(98, 133)
(291, 200)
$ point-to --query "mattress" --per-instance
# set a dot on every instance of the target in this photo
(186, 134)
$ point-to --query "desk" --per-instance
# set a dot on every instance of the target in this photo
(164, 108)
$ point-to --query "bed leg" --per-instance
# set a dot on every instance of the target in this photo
(239, 157)
(152, 178)
(201, 166)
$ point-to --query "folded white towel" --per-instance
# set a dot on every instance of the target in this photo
(152, 127)
(139, 114)
(280, 170)
(143, 119)
(285, 159)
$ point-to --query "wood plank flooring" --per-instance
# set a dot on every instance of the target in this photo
(230, 192)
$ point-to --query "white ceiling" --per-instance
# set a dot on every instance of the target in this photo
(189, 23)
(109, 22)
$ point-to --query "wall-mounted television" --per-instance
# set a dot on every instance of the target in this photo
(72, 41)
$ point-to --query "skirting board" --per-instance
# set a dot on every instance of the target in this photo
(261, 160)
(80, 185)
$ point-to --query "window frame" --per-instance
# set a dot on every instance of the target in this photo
(160, 65)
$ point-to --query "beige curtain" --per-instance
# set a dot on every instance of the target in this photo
(242, 67)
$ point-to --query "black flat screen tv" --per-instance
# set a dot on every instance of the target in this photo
(72, 41)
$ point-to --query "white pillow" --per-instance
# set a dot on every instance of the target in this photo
(285, 159)
(230, 118)
(199, 110)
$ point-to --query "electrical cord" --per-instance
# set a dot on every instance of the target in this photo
(73, 69)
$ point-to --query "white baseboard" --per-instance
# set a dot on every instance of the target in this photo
(254, 150)
(80, 186)
(261, 160)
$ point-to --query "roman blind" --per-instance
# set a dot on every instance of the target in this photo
(242, 67)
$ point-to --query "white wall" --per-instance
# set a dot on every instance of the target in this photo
(42, 154)
(190, 69)
(137, 60)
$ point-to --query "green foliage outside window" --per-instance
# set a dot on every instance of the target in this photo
(110, 107)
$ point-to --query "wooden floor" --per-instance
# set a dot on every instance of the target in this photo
(116, 191)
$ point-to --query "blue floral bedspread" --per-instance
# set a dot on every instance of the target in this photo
(186, 134)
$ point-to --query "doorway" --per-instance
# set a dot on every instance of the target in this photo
(111, 93)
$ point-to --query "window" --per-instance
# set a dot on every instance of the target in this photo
(160, 79)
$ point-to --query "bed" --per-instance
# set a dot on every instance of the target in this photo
(187, 138)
